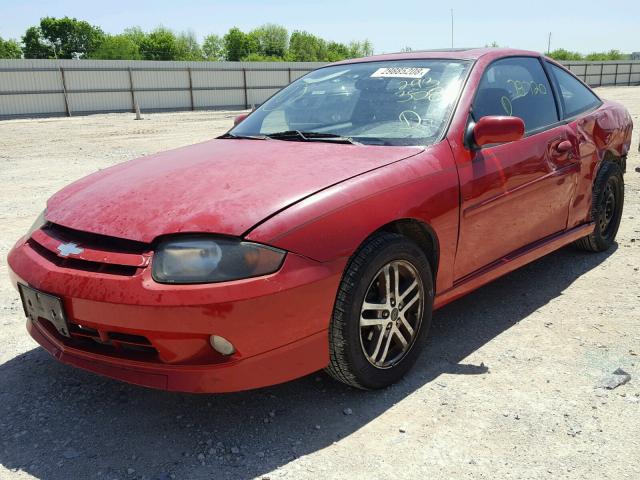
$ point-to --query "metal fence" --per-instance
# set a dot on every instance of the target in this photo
(66, 87)
(609, 73)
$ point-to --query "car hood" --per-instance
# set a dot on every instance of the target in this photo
(220, 186)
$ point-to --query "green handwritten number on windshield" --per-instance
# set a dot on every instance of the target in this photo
(524, 87)
(506, 105)
(521, 88)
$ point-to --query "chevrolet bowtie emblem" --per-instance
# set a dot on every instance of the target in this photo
(67, 249)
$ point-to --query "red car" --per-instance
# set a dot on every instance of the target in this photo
(323, 229)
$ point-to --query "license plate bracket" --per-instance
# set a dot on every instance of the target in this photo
(38, 305)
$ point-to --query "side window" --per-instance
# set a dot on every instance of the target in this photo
(576, 97)
(516, 87)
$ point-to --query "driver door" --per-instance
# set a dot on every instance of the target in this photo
(515, 194)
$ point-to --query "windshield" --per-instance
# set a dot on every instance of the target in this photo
(380, 103)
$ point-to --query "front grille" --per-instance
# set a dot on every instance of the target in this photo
(113, 344)
(98, 253)
(84, 265)
(95, 241)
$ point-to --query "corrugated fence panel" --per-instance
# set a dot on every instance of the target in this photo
(164, 100)
(296, 75)
(35, 87)
(607, 73)
(100, 102)
(218, 98)
(159, 79)
(96, 80)
(267, 79)
(21, 105)
(256, 97)
(216, 79)
(635, 74)
(116, 85)
(14, 81)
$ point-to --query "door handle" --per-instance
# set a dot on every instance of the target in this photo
(564, 146)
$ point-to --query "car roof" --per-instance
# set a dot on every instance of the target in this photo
(447, 53)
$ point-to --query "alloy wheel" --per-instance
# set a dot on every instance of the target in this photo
(391, 313)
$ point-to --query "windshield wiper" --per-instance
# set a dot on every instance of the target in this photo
(312, 137)
(246, 137)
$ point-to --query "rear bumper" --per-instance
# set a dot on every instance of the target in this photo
(278, 323)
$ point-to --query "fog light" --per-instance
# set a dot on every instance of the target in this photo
(222, 345)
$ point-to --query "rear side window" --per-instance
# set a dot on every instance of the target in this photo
(576, 98)
(516, 87)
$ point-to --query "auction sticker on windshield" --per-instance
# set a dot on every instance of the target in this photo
(400, 72)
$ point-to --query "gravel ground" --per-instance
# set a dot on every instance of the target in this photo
(510, 384)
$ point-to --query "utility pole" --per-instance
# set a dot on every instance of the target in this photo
(452, 28)
(549, 44)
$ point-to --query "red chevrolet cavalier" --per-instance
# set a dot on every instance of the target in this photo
(323, 229)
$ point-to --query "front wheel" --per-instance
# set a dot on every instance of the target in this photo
(606, 209)
(382, 313)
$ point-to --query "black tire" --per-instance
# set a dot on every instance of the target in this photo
(348, 362)
(608, 187)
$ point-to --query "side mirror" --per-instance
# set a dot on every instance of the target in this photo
(497, 129)
(239, 118)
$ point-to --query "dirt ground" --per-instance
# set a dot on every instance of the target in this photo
(509, 386)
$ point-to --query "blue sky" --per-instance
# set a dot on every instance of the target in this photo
(576, 25)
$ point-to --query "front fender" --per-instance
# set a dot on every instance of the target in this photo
(332, 224)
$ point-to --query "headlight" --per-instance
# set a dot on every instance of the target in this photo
(38, 224)
(201, 259)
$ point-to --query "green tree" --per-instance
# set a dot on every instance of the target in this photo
(237, 44)
(135, 34)
(117, 47)
(258, 57)
(306, 47)
(213, 48)
(10, 49)
(367, 47)
(600, 56)
(34, 45)
(252, 43)
(615, 55)
(66, 37)
(187, 47)
(273, 40)
(336, 51)
(360, 49)
(160, 44)
(596, 56)
(562, 54)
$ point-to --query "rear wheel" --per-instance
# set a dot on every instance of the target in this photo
(382, 313)
(606, 209)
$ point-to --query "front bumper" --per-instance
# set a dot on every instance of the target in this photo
(277, 323)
